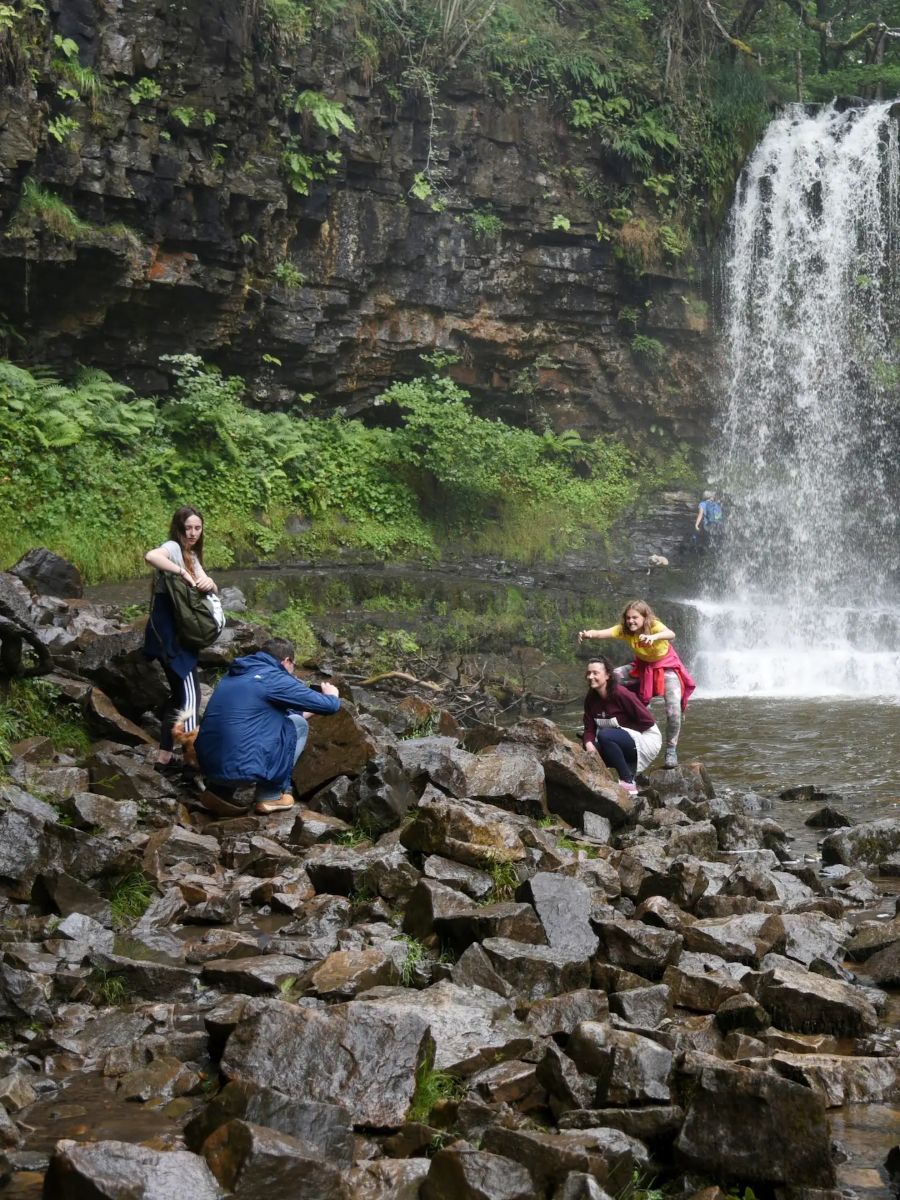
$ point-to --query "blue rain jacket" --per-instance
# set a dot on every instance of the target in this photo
(244, 733)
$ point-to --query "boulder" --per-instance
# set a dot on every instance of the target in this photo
(333, 1055)
(866, 845)
(466, 831)
(325, 1126)
(806, 1003)
(339, 744)
(883, 968)
(839, 1078)
(475, 923)
(750, 1126)
(630, 1069)
(745, 939)
(48, 574)
(254, 975)
(563, 907)
(257, 1163)
(471, 1027)
(383, 792)
(461, 1173)
(530, 972)
(111, 1170)
(637, 947)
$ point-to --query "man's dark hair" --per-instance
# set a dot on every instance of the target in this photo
(280, 649)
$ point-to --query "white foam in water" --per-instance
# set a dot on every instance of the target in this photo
(803, 598)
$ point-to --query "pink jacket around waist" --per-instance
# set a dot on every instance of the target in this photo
(651, 677)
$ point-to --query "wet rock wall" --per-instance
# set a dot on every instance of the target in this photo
(190, 237)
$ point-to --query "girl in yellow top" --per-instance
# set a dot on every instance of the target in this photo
(656, 671)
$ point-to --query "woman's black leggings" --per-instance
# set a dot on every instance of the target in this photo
(617, 749)
(183, 697)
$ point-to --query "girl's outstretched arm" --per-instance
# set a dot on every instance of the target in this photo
(658, 635)
(596, 633)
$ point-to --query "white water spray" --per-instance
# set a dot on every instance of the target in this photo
(803, 599)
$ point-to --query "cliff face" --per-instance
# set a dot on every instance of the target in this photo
(189, 233)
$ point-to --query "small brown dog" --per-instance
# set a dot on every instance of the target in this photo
(186, 740)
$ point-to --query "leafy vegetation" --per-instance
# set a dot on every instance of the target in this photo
(431, 1087)
(130, 899)
(91, 457)
(31, 707)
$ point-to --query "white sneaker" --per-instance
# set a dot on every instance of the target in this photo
(630, 788)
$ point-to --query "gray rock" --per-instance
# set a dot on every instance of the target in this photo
(461, 1173)
(118, 1171)
(47, 573)
(257, 1162)
(255, 975)
(743, 1124)
(806, 1003)
(563, 906)
(534, 972)
(866, 845)
(637, 947)
(325, 1126)
(471, 1026)
(332, 1056)
(631, 1069)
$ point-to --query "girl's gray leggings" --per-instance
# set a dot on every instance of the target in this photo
(672, 696)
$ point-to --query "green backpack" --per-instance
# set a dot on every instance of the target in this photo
(199, 618)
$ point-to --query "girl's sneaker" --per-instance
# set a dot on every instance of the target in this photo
(630, 788)
(671, 757)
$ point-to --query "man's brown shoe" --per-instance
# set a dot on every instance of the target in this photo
(284, 802)
(218, 805)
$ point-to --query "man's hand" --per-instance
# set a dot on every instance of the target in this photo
(328, 689)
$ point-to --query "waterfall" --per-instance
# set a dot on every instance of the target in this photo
(802, 598)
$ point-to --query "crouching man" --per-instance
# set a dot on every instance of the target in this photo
(255, 728)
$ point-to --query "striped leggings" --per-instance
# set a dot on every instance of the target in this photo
(183, 697)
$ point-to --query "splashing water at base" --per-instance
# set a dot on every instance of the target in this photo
(803, 597)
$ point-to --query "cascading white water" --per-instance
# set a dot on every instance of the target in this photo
(802, 600)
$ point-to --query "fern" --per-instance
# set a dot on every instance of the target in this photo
(327, 114)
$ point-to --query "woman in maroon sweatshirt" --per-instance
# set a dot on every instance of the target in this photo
(617, 725)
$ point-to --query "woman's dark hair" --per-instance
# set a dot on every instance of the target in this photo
(612, 683)
(176, 532)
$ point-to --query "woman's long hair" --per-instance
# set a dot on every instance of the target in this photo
(177, 534)
(642, 607)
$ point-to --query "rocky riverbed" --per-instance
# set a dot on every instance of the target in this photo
(466, 965)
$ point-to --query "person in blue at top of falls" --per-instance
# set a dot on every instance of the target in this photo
(255, 727)
(181, 555)
(708, 524)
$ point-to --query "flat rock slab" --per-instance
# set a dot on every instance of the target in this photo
(121, 1171)
(256, 975)
(358, 1055)
(838, 1078)
(472, 1027)
(563, 906)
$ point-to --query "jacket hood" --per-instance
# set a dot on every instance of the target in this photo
(252, 662)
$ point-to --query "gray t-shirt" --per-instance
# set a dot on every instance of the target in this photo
(173, 551)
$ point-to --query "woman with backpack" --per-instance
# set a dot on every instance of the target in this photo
(181, 555)
(656, 671)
